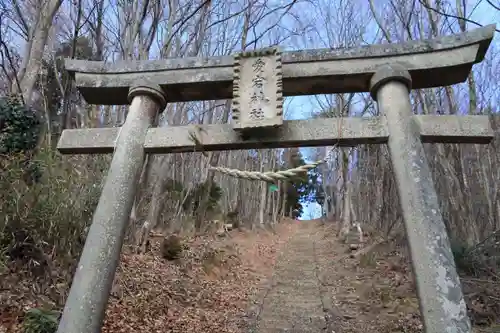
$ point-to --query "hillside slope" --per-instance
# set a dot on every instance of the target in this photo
(299, 278)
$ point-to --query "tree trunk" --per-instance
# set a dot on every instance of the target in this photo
(32, 64)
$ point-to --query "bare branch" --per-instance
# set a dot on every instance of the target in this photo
(451, 15)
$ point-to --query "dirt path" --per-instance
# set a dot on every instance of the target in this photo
(294, 300)
(317, 288)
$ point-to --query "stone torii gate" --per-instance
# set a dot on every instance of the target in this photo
(256, 82)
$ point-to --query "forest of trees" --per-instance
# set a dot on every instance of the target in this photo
(49, 199)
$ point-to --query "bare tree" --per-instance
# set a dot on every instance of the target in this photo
(37, 35)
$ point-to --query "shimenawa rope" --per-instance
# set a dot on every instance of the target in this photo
(269, 176)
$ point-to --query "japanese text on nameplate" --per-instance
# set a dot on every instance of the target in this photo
(257, 97)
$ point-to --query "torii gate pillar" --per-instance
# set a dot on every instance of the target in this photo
(88, 297)
(440, 295)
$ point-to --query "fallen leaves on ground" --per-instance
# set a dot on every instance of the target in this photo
(205, 291)
(376, 291)
(209, 288)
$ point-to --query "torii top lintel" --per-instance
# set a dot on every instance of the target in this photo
(436, 62)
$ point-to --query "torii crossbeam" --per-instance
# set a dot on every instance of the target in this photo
(388, 72)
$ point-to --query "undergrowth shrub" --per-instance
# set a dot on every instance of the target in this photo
(38, 320)
(20, 129)
(171, 247)
(462, 261)
(48, 219)
(200, 191)
(480, 260)
(19, 126)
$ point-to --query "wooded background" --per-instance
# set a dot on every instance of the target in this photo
(54, 208)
